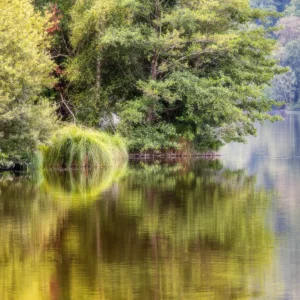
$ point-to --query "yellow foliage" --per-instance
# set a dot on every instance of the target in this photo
(25, 65)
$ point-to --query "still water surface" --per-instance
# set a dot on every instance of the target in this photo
(226, 229)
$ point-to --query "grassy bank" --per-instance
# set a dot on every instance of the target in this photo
(78, 147)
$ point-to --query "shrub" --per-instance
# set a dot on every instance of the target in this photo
(77, 147)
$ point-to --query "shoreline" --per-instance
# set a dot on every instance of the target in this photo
(136, 156)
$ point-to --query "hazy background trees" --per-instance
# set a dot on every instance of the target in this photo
(286, 87)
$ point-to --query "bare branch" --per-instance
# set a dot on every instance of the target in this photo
(67, 107)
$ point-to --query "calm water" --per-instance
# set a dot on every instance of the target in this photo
(227, 229)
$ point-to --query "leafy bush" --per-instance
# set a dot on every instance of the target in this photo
(26, 119)
(23, 129)
(75, 147)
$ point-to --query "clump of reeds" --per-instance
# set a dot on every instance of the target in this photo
(78, 147)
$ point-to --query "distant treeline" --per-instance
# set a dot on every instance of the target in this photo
(286, 87)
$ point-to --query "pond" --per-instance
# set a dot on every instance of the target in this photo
(200, 229)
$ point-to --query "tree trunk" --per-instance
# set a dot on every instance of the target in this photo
(154, 64)
(98, 75)
(154, 61)
(99, 62)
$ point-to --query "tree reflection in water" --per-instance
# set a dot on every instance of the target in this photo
(148, 231)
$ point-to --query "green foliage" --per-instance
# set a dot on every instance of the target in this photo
(180, 70)
(25, 63)
(24, 128)
(76, 147)
(26, 120)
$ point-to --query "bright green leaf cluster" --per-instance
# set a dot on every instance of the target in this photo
(26, 119)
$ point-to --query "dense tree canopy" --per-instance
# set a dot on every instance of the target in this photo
(26, 119)
(176, 71)
(179, 74)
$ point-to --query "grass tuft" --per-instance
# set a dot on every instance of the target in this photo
(77, 147)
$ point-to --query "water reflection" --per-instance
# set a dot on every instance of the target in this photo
(274, 156)
(80, 188)
(147, 231)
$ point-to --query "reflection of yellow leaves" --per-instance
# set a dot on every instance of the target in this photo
(28, 280)
(34, 291)
(72, 241)
(78, 188)
(26, 257)
(167, 233)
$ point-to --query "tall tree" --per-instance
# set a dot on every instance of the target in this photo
(178, 72)
(26, 119)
